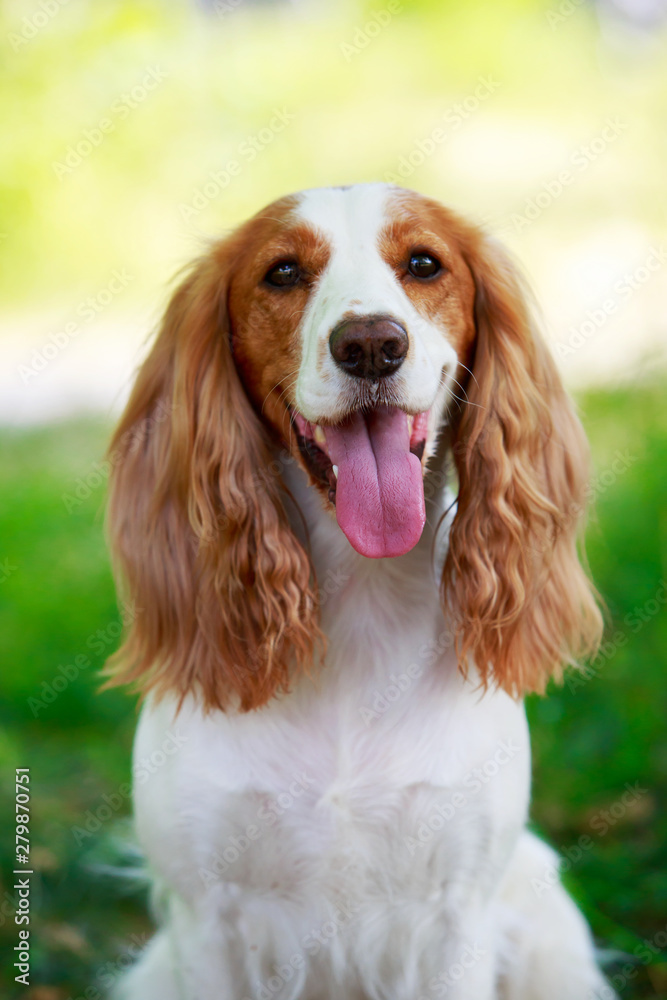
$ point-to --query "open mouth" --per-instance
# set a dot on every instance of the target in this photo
(370, 465)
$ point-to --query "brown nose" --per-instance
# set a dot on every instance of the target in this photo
(369, 346)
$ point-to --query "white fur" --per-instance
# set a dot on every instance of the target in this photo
(357, 280)
(362, 838)
(354, 851)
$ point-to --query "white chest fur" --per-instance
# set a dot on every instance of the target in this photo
(384, 785)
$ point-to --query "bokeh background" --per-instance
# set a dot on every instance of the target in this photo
(131, 133)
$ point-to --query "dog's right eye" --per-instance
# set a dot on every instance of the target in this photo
(283, 275)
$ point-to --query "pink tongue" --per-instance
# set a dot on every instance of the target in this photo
(380, 490)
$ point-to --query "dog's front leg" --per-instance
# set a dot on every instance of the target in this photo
(209, 949)
(466, 968)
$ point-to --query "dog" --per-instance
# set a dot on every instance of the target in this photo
(346, 499)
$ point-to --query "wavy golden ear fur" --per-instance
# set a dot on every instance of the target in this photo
(523, 604)
(224, 605)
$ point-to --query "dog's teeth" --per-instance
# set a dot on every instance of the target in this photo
(318, 435)
(411, 421)
(335, 471)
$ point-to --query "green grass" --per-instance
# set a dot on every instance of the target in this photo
(590, 739)
(594, 736)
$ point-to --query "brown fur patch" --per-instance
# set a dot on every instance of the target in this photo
(265, 320)
(196, 517)
(448, 299)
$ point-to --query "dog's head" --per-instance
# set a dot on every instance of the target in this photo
(350, 327)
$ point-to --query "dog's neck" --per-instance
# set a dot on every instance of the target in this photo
(378, 615)
(336, 563)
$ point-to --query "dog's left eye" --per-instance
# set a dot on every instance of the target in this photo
(283, 275)
(423, 265)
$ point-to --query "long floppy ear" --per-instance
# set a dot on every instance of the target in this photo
(220, 585)
(523, 604)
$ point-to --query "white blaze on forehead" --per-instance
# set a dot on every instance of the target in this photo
(357, 280)
(351, 218)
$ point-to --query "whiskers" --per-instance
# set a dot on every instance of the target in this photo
(461, 400)
(288, 382)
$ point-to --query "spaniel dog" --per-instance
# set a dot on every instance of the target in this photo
(345, 501)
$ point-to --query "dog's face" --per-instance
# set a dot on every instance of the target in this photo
(352, 326)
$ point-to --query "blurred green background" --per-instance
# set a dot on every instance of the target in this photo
(120, 121)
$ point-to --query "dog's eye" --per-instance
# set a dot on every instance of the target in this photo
(423, 265)
(283, 275)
